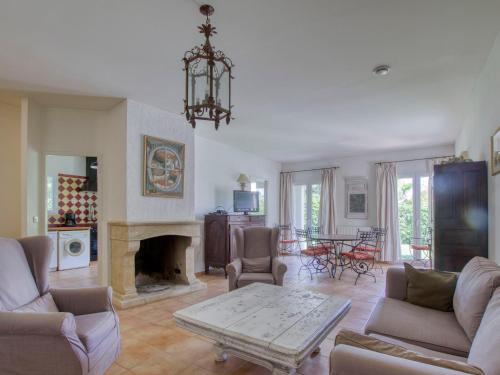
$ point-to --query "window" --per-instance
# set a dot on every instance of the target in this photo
(261, 187)
(51, 195)
(306, 205)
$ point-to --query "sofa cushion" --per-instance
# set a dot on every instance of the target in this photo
(475, 286)
(17, 285)
(430, 288)
(92, 329)
(249, 278)
(484, 349)
(41, 304)
(351, 338)
(261, 264)
(432, 329)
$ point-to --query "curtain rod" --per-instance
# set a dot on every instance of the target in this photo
(403, 161)
(309, 170)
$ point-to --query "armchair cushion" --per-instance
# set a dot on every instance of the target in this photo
(44, 303)
(17, 285)
(261, 264)
(351, 338)
(83, 301)
(92, 329)
(249, 278)
(432, 329)
(475, 286)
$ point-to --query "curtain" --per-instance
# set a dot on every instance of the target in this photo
(430, 169)
(285, 198)
(326, 201)
(387, 209)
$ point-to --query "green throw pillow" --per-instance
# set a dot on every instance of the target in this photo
(430, 288)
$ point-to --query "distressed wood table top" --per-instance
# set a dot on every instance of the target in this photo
(279, 324)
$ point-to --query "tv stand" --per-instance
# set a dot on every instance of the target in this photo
(219, 242)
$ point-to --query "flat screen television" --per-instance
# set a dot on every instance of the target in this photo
(245, 201)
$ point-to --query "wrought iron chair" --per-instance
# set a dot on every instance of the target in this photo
(288, 243)
(357, 258)
(421, 249)
(314, 255)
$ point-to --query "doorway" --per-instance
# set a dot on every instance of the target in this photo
(72, 214)
(413, 205)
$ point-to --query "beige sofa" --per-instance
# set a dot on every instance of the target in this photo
(470, 334)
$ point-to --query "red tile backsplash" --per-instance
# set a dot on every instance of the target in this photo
(71, 199)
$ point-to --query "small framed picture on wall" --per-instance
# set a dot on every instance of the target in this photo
(356, 204)
(495, 152)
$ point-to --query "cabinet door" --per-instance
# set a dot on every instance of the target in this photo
(215, 241)
(461, 214)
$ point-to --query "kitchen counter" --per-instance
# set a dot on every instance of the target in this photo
(59, 229)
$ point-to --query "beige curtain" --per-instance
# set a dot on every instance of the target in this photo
(387, 209)
(285, 198)
(430, 169)
(327, 201)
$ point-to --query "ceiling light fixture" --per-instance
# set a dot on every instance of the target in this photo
(381, 70)
(208, 79)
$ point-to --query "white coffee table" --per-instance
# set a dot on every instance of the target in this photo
(275, 327)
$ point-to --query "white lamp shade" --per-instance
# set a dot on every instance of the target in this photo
(243, 179)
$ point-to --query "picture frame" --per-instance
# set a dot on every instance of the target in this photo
(163, 168)
(495, 152)
(356, 193)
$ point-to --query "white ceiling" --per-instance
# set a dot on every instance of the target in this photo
(303, 88)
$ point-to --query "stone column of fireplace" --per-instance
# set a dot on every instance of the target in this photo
(125, 238)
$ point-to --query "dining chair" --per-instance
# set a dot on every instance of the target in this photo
(288, 243)
(357, 258)
(421, 249)
(314, 255)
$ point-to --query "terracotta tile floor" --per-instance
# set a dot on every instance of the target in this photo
(152, 344)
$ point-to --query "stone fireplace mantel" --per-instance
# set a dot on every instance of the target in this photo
(125, 238)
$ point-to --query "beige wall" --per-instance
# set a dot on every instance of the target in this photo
(10, 169)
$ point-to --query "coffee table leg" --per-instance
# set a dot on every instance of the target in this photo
(283, 371)
(220, 353)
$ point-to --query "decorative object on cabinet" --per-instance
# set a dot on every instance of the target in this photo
(356, 205)
(219, 241)
(163, 168)
(462, 158)
(208, 79)
(243, 180)
(461, 214)
(495, 152)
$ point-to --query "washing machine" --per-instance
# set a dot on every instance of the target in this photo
(74, 249)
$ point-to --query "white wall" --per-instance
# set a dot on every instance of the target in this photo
(146, 120)
(10, 170)
(363, 166)
(482, 120)
(217, 166)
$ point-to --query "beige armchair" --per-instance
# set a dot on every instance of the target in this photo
(51, 331)
(256, 261)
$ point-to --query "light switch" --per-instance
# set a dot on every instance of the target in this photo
(35, 219)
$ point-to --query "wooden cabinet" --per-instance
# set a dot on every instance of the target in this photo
(460, 214)
(219, 244)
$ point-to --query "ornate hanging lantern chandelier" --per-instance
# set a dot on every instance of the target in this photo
(208, 79)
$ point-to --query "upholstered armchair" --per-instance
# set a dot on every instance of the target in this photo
(256, 250)
(51, 331)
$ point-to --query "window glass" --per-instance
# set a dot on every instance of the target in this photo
(261, 187)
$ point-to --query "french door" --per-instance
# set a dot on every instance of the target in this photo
(306, 205)
(413, 205)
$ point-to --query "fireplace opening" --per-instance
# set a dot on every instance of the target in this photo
(157, 263)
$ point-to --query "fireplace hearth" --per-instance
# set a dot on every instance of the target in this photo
(152, 261)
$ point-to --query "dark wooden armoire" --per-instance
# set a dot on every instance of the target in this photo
(460, 214)
(219, 247)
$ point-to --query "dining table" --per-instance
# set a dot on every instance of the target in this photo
(337, 242)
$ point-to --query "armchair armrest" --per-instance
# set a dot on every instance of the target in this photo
(234, 271)
(48, 324)
(348, 360)
(278, 269)
(396, 283)
(83, 301)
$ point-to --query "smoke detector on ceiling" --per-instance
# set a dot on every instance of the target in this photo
(381, 70)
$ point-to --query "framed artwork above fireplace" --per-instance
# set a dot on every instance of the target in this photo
(163, 168)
